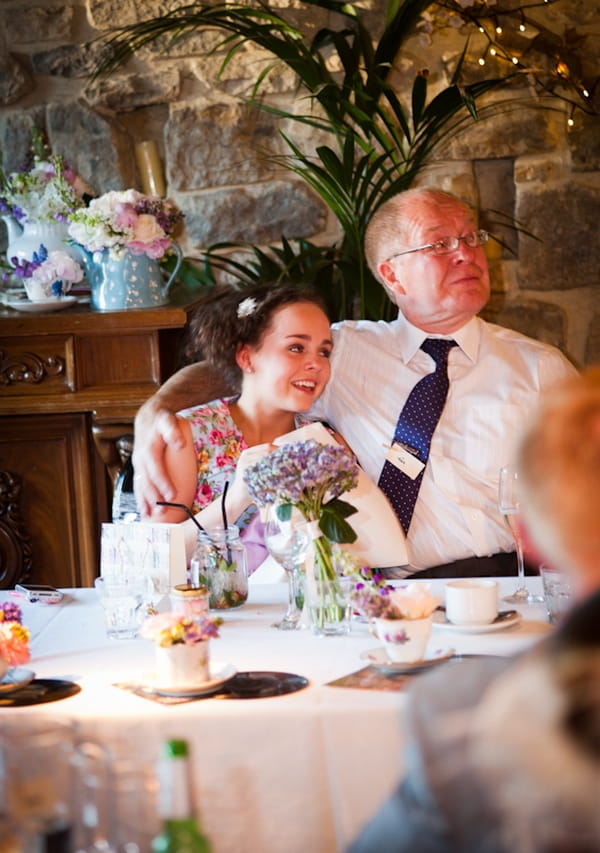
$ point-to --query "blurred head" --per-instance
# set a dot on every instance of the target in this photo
(559, 473)
(273, 339)
(437, 293)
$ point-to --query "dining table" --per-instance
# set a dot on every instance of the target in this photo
(301, 771)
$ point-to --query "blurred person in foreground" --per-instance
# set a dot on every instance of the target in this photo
(503, 755)
(426, 250)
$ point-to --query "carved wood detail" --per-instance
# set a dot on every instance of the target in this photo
(15, 543)
(29, 367)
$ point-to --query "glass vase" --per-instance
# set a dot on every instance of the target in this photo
(326, 592)
(219, 563)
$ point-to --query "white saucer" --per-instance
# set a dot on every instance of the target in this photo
(378, 658)
(15, 679)
(219, 674)
(42, 307)
(499, 624)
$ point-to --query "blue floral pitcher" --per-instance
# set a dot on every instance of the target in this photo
(123, 281)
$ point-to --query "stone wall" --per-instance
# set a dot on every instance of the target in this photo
(215, 149)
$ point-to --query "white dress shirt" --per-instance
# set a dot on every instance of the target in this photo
(497, 377)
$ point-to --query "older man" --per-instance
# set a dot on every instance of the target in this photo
(503, 755)
(425, 248)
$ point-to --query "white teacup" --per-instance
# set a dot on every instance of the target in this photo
(38, 292)
(471, 601)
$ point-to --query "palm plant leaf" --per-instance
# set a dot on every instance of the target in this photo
(376, 144)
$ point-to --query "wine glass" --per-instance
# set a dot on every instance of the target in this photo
(287, 542)
(509, 506)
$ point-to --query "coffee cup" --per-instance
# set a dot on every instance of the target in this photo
(471, 601)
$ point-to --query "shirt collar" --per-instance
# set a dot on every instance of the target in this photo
(411, 337)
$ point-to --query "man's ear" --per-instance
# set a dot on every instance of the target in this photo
(387, 273)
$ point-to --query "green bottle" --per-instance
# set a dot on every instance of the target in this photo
(180, 832)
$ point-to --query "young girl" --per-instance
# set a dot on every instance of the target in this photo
(274, 343)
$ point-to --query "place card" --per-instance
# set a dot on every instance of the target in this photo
(155, 551)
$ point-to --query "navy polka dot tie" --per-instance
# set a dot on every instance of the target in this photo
(416, 424)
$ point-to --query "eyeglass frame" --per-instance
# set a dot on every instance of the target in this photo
(481, 241)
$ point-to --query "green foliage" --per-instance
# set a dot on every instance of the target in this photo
(377, 145)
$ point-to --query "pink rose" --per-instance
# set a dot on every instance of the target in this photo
(147, 229)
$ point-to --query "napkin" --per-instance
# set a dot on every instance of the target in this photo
(380, 539)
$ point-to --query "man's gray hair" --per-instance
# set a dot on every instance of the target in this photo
(392, 223)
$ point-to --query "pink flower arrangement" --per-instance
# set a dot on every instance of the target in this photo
(169, 629)
(126, 219)
(51, 271)
(14, 636)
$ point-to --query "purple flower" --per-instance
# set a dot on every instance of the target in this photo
(306, 474)
(10, 612)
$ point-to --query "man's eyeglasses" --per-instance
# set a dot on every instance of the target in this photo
(447, 245)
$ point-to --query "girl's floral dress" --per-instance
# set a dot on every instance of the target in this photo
(218, 444)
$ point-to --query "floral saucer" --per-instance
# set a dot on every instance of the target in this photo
(15, 678)
(220, 673)
(379, 659)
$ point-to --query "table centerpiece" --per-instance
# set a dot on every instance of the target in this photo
(181, 647)
(14, 638)
(310, 477)
(401, 617)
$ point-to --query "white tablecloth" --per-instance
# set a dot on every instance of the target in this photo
(300, 772)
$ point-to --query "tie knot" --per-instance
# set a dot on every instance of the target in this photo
(438, 349)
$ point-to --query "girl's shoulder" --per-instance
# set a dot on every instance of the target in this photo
(213, 409)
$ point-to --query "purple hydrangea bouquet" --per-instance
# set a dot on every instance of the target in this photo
(310, 477)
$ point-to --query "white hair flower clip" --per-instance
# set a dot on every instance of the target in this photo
(246, 307)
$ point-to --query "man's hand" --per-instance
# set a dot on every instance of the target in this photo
(151, 482)
(156, 427)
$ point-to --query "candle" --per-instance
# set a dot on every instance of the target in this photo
(150, 168)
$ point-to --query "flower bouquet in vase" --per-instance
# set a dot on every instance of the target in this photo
(48, 276)
(181, 647)
(121, 237)
(14, 638)
(310, 477)
(36, 202)
(401, 617)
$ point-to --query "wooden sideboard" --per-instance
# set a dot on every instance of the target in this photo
(70, 385)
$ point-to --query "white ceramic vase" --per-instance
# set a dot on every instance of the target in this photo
(404, 640)
(183, 664)
(23, 243)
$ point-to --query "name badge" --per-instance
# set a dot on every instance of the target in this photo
(405, 461)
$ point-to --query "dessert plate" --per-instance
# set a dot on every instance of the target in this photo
(220, 673)
(42, 307)
(16, 678)
(504, 619)
(39, 691)
(378, 658)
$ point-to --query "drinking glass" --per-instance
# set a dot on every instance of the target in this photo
(287, 542)
(509, 506)
(37, 783)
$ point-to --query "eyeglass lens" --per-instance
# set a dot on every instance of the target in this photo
(450, 244)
